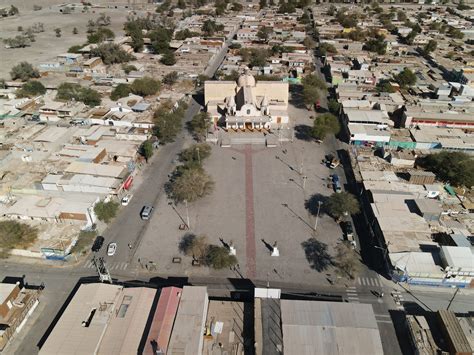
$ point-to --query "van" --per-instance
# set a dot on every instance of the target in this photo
(146, 212)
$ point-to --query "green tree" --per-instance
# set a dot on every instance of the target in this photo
(325, 49)
(121, 90)
(314, 80)
(347, 260)
(342, 203)
(147, 150)
(405, 78)
(199, 125)
(181, 4)
(111, 53)
(401, 16)
(69, 91)
(219, 258)
(263, 3)
(237, 6)
(264, 33)
(136, 36)
(334, 106)
(171, 78)
(377, 45)
(384, 86)
(309, 43)
(31, 88)
(195, 154)
(15, 235)
(103, 20)
(455, 33)
(456, 168)
(168, 122)
(168, 58)
(145, 86)
(430, 46)
(75, 49)
(127, 68)
(191, 185)
(160, 40)
(183, 34)
(24, 71)
(286, 7)
(259, 58)
(195, 246)
(105, 211)
(310, 95)
(102, 34)
(13, 11)
(209, 27)
(325, 124)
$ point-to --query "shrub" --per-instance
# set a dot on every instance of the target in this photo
(31, 88)
(121, 90)
(105, 211)
(15, 235)
(24, 71)
(145, 86)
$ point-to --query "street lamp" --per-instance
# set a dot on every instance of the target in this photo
(304, 181)
(199, 157)
(317, 215)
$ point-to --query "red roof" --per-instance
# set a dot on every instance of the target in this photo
(163, 320)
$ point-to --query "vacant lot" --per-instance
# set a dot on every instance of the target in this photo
(47, 45)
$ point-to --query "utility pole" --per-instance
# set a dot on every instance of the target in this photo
(317, 215)
(187, 213)
(452, 299)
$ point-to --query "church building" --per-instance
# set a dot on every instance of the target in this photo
(247, 105)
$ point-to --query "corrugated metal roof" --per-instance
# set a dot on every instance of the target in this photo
(329, 328)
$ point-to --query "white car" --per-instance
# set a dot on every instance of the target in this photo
(111, 249)
(126, 199)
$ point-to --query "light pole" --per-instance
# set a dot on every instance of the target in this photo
(304, 181)
(187, 213)
(199, 157)
(317, 215)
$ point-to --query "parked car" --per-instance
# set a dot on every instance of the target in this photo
(347, 230)
(336, 183)
(126, 199)
(146, 212)
(111, 249)
(98, 242)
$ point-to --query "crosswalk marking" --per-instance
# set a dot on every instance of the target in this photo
(111, 266)
(368, 281)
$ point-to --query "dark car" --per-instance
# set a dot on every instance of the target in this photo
(348, 230)
(98, 242)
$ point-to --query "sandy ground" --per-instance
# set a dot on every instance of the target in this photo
(47, 45)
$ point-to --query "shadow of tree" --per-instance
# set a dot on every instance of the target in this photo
(186, 243)
(303, 132)
(296, 97)
(312, 204)
(317, 254)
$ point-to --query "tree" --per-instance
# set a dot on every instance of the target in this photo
(168, 122)
(15, 235)
(325, 124)
(58, 32)
(462, 6)
(286, 7)
(430, 46)
(105, 211)
(168, 58)
(455, 33)
(160, 40)
(70, 91)
(332, 10)
(456, 168)
(237, 6)
(219, 258)
(181, 4)
(342, 203)
(17, 42)
(326, 48)
(264, 33)
(13, 11)
(19, 28)
(258, 58)
(314, 80)
(194, 246)
(334, 106)
(145, 86)
(31, 88)
(103, 20)
(200, 124)
(405, 78)
(401, 16)
(191, 185)
(309, 43)
(75, 49)
(127, 68)
(347, 260)
(195, 154)
(183, 34)
(102, 34)
(263, 3)
(147, 150)
(75, 31)
(24, 71)
(121, 90)
(377, 45)
(170, 78)
(111, 53)
(310, 95)
(209, 27)
(384, 86)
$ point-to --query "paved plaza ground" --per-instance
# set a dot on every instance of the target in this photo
(260, 197)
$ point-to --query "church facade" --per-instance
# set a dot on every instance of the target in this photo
(247, 105)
